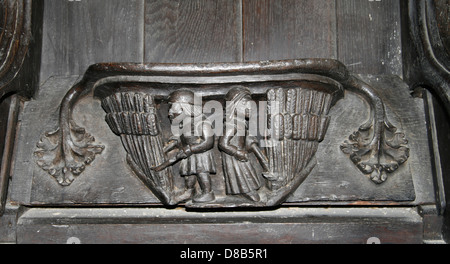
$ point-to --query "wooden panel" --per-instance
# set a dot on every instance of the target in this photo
(281, 226)
(335, 180)
(443, 21)
(192, 31)
(111, 181)
(10, 107)
(5, 114)
(20, 47)
(5, 104)
(289, 29)
(79, 33)
(369, 37)
(8, 225)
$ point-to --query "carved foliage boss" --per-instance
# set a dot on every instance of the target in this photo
(292, 98)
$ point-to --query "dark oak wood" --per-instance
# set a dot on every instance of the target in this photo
(364, 35)
(8, 127)
(79, 33)
(20, 47)
(5, 108)
(281, 226)
(288, 29)
(192, 31)
(443, 21)
(369, 36)
(20, 42)
(110, 181)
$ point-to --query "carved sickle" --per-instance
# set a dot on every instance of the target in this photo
(263, 161)
(260, 156)
(167, 163)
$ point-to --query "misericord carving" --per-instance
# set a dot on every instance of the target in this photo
(298, 95)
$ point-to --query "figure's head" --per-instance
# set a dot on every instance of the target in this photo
(182, 101)
(239, 101)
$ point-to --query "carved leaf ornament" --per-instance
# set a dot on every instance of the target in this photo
(64, 167)
(378, 158)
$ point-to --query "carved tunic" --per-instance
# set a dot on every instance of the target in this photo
(201, 160)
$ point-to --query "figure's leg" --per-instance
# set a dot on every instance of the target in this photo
(189, 189)
(190, 182)
(207, 194)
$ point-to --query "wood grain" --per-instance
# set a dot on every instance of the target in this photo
(192, 31)
(8, 128)
(77, 34)
(160, 226)
(288, 29)
(443, 21)
(369, 36)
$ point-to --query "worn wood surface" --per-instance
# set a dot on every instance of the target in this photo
(334, 180)
(282, 226)
(5, 110)
(289, 29)
(5, 105)
(8, 128)
(26, 80)
(363, 34)
(443, 21)
(369, 36)
(77, 34)
(114, 184)
(20, 47)
(192, 31)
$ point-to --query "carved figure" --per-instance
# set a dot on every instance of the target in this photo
(240, 175)
(194, 146)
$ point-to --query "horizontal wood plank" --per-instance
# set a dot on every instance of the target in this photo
(282, 226)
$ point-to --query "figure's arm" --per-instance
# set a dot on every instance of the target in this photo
(225, 146)
(172, 144)
(207, 141)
